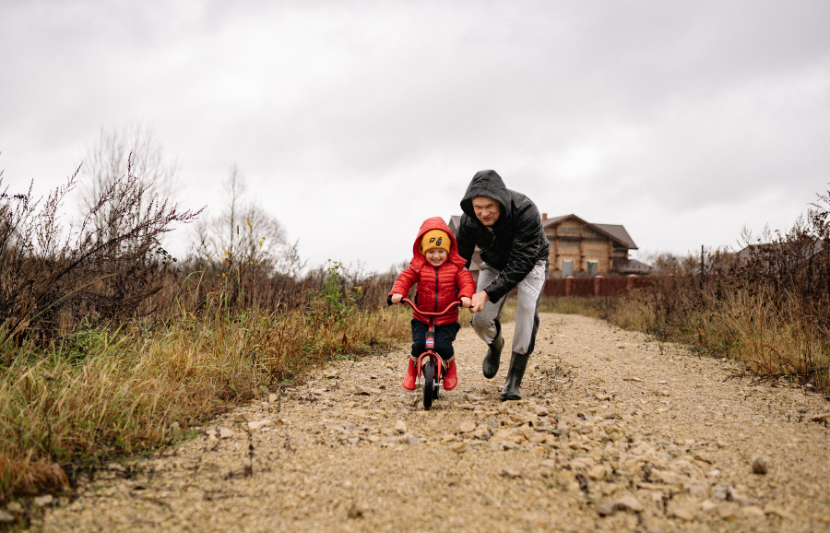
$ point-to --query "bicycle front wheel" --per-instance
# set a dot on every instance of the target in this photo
(429, 384)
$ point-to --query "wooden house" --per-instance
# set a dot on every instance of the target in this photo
(578, 247)
(582, 249)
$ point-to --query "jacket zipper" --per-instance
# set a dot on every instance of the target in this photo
(436, 289)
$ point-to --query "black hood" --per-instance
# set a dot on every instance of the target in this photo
(487, 183)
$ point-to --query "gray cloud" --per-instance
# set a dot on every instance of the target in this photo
(683, 121)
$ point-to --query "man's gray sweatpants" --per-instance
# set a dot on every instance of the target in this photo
(527, 310)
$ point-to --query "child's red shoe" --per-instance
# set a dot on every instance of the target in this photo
(409, 379)
(451, 376)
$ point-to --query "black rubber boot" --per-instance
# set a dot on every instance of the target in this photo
(518, 364)
(490, 366)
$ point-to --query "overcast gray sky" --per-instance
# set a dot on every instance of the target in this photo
(355, 120)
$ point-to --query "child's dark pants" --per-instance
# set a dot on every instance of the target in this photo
(444, 336)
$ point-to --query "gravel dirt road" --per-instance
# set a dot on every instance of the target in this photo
(615, 433)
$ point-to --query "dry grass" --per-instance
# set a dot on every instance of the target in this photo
(774, 341)
(768, 307)
(593, 307)
(768, 331)
(108, 346)
(108, 394)
(772, 333)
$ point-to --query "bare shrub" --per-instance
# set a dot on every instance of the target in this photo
(106, 341)
(62, 414)
(768, 305)
(50, 277)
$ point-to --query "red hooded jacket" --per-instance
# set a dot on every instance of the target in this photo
(437, 287)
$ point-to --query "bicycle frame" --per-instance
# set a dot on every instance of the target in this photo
(430, 340)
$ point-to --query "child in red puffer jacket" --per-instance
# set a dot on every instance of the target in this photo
(439, 271)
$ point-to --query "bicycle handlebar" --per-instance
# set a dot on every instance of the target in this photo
(425, 313)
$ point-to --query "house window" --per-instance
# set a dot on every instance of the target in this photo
(592, 268)
(567, 268)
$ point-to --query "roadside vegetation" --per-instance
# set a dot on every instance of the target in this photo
(768, 307)
(110, 346)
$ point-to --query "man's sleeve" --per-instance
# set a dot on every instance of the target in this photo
(466, 242)
(523, 257)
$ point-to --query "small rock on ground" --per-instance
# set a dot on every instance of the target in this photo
(760, 464)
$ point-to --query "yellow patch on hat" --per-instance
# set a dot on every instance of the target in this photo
(435, 238)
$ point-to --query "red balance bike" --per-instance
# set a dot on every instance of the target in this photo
(430, 366)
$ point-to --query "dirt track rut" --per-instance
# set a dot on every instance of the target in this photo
(651, 436)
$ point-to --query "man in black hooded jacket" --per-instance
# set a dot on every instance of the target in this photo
(507, 228)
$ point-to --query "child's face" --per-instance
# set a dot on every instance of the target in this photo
(436, 256)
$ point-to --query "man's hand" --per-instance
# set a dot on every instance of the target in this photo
(465, 302)
(396, 298)
(478, 301)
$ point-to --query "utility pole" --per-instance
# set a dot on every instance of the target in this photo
(702, 265)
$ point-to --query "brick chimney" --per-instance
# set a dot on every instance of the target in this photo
(544, 216)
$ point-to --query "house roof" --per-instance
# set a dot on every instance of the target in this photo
(615, 231)
(618, 231)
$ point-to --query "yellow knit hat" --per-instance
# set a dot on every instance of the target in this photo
(435, 238)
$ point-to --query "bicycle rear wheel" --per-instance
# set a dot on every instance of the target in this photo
(429, 384)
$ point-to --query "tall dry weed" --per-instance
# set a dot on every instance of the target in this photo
(49, 271)
(138, 389)
(109, 346)
(768, 306)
